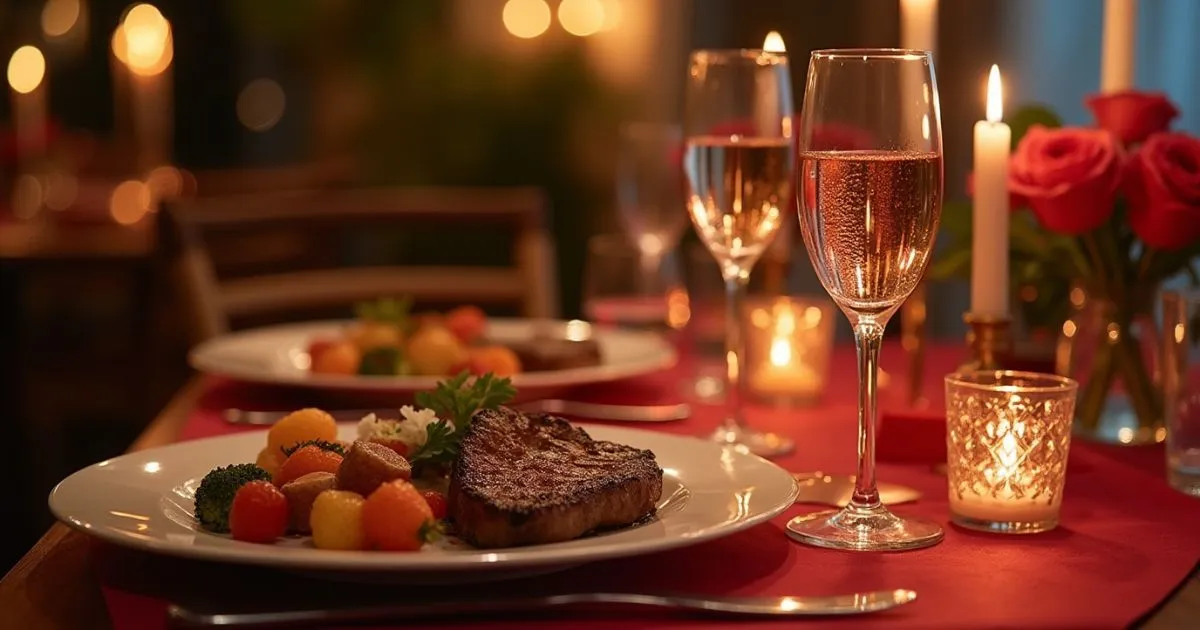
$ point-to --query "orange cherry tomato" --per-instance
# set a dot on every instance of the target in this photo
(397, 518)
(306, 460)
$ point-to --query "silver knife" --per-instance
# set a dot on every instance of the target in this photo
(791, 606)
(591, 411)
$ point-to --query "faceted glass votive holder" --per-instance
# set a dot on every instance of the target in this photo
(789, 342)
(1007, 438)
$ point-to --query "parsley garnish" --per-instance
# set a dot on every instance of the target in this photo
(455, 401)
(393, 311)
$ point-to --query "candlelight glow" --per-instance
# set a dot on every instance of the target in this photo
(526, 18)
(774, 43)
(612, 14)
(781, 352)
(130, 202)
(581, 17)
(995, 98)
(59, 17)
(144, 41)
(26, 69)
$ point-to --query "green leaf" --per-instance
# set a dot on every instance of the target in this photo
(1028, 116)
(385, 310)
(455, 401)
(381, 361)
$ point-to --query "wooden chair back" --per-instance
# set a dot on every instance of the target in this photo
(229, 253)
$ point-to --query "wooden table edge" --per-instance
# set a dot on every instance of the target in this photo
(53, 587)
(72, 600)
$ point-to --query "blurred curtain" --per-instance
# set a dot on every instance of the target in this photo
(1053, 49)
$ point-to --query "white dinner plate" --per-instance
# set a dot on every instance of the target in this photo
(143, 500)
(278, 355)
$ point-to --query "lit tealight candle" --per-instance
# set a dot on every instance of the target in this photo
(989, 258)
(1007, 439)
(791, 342)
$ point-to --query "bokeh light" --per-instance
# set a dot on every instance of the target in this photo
(581, 17)
(526, 18)
(261, 104)
(144, 41)
(28, 195)
(26, 69)
(164, 182)
(612, 14)
(130, 201)
(61, 190)
(59, 17)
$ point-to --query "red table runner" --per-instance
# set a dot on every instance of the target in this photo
(1125, 542)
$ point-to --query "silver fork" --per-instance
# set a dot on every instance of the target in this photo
(592, 411)
(794, 606)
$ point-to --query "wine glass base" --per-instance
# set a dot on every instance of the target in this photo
(760, 443)
(864, 529)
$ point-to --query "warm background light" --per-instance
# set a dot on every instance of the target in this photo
(581, 17)
(526, 18)
(260, 104)
(612, 14)
(59, 17)
(144, 41)
(26, 69)
(130, 202)
(774, 43)
(995, 98)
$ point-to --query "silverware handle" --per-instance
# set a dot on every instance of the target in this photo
(856, 603)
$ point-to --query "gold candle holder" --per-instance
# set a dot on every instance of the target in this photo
(990, 339)
(1007, 438)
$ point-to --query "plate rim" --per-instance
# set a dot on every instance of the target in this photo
(373, 562)
(666, 357)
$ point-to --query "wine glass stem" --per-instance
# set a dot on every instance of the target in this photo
(868, 336)
(735, 289)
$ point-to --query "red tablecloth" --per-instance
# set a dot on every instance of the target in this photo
(1126, 539)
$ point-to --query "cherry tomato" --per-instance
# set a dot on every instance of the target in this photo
(396, 518)
(437, 503)
(259, 513)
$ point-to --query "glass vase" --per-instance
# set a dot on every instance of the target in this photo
(1111, 347)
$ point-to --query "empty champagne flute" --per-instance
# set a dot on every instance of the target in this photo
(870, 202)
(650, 188)
(739, 163)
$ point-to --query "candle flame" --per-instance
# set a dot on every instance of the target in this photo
(26, 69)
(774, 43)
(781, 352)
(995, 98)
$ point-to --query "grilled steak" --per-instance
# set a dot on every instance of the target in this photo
(525, 479)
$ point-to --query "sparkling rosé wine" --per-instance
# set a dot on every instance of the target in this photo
(737, 190)
(869, 220)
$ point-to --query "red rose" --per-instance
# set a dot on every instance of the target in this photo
(1132, 116)
(1069, 176)
(1162, 185)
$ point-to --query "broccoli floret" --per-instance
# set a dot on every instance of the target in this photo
(324, 445)
(214, 497)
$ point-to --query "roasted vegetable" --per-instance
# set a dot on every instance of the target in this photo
(214, 496)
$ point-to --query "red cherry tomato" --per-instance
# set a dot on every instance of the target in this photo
(318, 346)
(259, 513)
(437, 503)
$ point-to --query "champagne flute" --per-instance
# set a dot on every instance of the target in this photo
(740, 164)
(870, 201)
